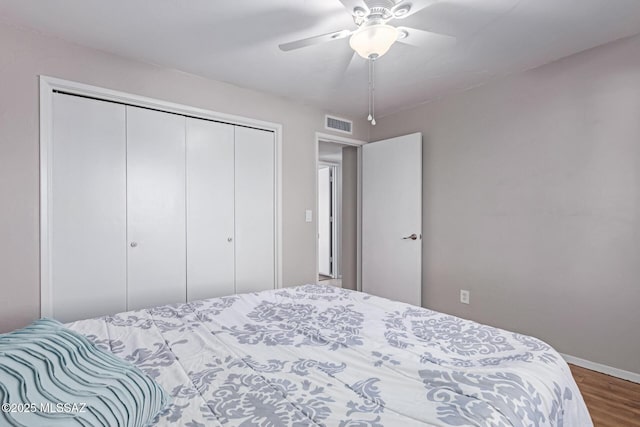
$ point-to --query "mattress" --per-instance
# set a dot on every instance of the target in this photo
(317, 355)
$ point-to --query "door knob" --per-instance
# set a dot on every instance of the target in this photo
(412, 237)
(229, 239)
(133, 244)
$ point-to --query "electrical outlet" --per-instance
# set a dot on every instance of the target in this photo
(465, 296)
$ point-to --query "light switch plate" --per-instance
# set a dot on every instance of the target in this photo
(308, 214)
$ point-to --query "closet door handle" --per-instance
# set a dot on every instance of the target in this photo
(229, 239)
(133, 244)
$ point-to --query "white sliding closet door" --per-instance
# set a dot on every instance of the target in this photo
(87, 208)
(210, 210)
(155, 208)
(255, 209)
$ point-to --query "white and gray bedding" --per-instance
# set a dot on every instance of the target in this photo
(319, 355)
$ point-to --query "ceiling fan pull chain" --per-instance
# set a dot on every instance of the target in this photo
(370, 116)
(373, 91)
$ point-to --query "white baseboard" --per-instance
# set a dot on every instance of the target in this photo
(598, 367)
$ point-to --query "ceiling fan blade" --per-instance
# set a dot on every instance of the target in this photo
(420, 38)
(437, 17)
(354, 63)
(345, 67)
(336, 35)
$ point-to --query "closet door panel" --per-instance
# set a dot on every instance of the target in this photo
(88, 208)
(210, 210)
(255, 209)
(155, 208)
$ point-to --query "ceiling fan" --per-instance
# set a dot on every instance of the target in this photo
(373, 36)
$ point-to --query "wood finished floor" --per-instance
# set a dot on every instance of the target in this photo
(326, 280)
(612, 402)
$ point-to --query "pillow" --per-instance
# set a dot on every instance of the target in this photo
(52, 376)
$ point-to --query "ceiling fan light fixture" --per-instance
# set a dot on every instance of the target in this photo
(340, 34)
(373, 41)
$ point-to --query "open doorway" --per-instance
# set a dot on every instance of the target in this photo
(328, 219)
(337, 202)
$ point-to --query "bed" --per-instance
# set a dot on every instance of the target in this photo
(320, 355)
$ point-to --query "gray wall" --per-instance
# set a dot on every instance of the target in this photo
(349, 217)
(26, 54)
(532, 202)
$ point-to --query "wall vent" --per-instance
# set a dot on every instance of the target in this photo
(337, 124)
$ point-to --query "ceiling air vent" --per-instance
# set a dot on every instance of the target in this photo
(339, 125)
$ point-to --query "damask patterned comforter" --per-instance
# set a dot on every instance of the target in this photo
(318, 355)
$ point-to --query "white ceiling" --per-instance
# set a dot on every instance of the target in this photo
(237, 41)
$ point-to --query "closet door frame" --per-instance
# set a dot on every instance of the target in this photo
(50, 85)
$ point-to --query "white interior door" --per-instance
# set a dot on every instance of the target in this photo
(87, 200)
(392, 218)
(210, 209)
(254, 209)
(324, 221)
(155, 208)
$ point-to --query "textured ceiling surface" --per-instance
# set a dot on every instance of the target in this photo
(237, 42)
